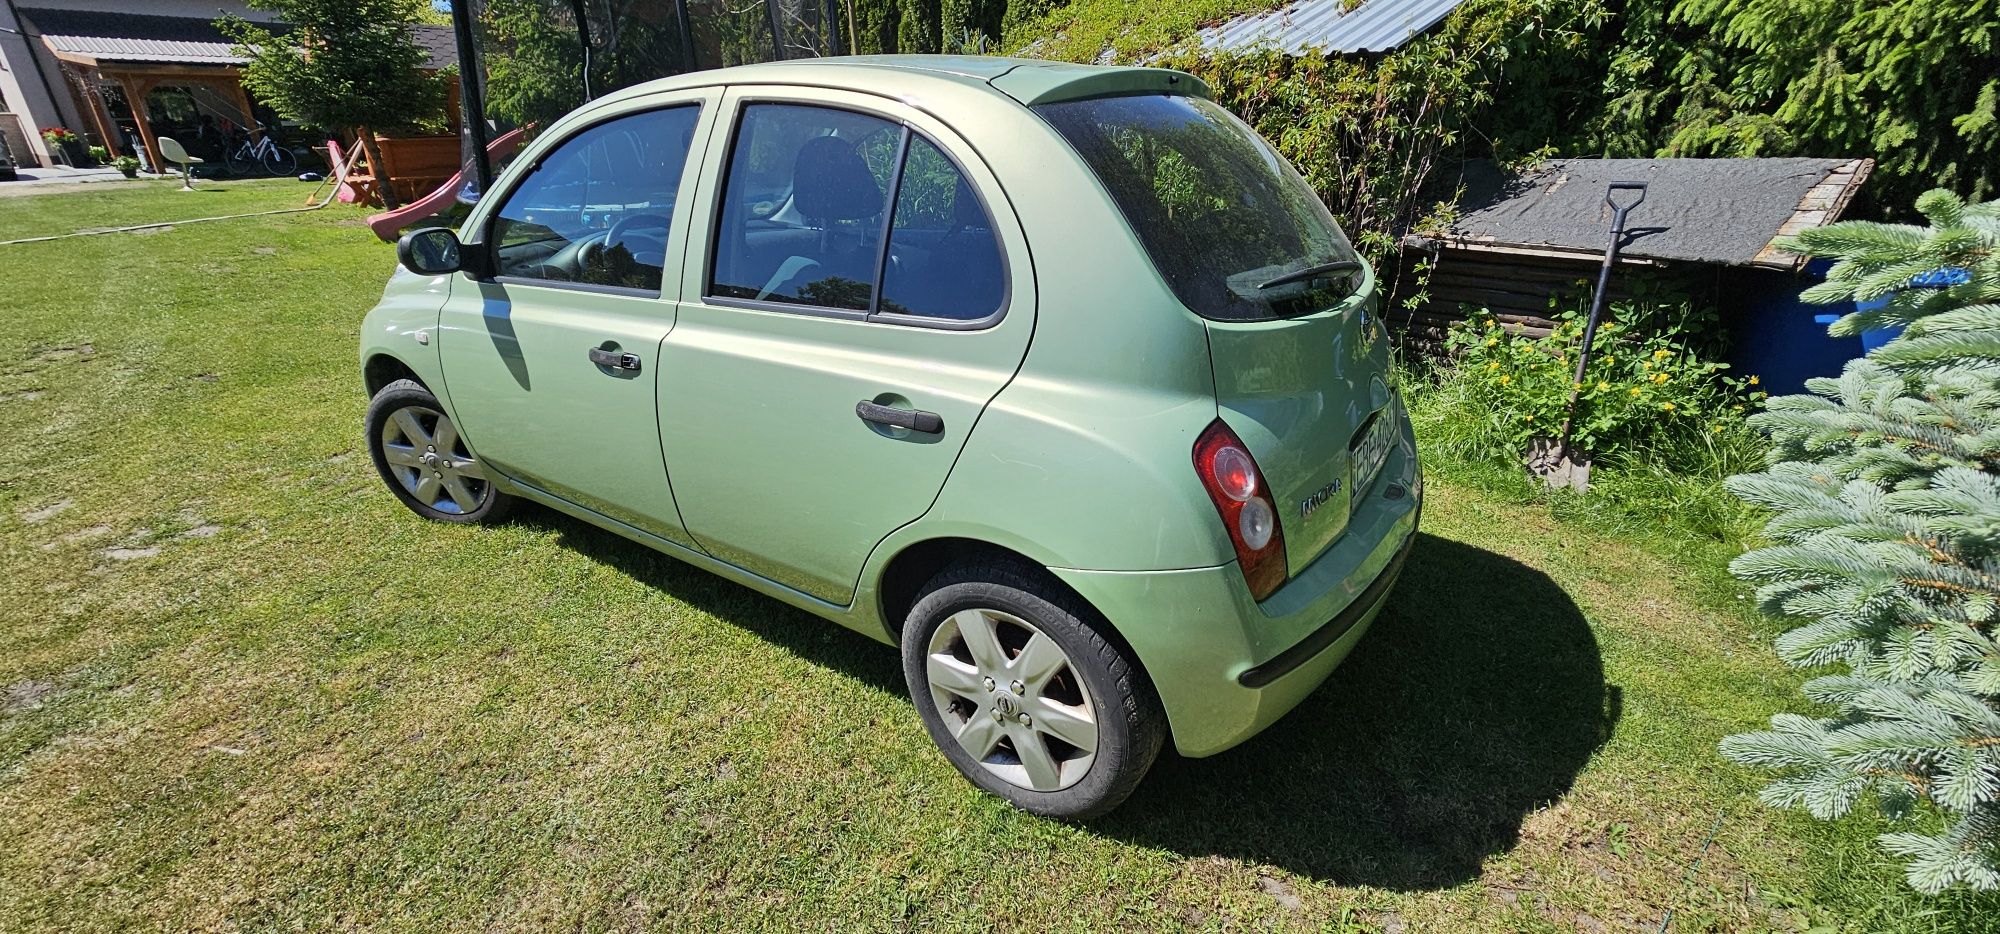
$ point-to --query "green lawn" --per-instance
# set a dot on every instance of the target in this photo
(240, 687)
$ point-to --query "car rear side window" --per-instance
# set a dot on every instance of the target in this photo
(1220, 213)
(944, 258)
(596, 210)
(834, 209)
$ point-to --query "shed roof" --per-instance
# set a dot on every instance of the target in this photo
(1325, 26)
(126, 37)
(1722, 211)
(99, 36)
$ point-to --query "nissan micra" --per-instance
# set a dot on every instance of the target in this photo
(1057, 376)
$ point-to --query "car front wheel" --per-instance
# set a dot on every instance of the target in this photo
(425, 461)
(1025, 697)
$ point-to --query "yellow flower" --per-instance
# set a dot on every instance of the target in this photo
(1634, 390)
(1668, 406)
(1492, 341)
(1649, 364)
(1492, 366)
(1737, 408)
(1662, 354)
(1753, 379)
(1602, 385)
(1716, 430)
(1659, 377)
(1505, 379)
(1528, 418)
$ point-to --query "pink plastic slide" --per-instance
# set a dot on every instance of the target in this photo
(388, 223)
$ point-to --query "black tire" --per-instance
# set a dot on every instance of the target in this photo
(490, 504)
(1130, 726)
(280, 162)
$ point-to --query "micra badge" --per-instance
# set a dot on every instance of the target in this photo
(1318, 498)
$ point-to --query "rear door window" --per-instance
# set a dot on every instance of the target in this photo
(1220, 213)
(834, 209)
(802, 211)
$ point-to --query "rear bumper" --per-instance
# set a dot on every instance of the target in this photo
(1226, 666)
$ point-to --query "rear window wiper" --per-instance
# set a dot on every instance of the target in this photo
(1313, 272)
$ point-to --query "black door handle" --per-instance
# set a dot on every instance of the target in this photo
(614, 359)
(914, 419)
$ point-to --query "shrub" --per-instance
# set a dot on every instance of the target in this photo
(1886, 547)
(1652, 392)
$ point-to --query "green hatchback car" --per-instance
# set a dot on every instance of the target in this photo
(1057, 376)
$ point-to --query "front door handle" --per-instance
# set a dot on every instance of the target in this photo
(614, 359)
(914, 419)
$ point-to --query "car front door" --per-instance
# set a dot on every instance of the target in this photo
(865, 291)
(552, 363)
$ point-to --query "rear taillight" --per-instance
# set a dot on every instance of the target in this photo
(1233, 481)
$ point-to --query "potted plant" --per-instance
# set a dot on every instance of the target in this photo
(127, 165)
(68, 146)
(100, 155)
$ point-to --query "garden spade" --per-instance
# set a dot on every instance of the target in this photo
(1554, 460)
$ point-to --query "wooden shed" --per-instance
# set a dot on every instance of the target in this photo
(1525, 244)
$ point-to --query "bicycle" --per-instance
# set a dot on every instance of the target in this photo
(260, 150)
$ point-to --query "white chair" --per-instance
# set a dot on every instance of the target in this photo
(172, 151)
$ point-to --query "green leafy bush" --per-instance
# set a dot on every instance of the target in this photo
(1885, 484)
(1653, 390)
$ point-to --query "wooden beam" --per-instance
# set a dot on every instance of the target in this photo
(168, 70)
(136, 89)
(94, 97)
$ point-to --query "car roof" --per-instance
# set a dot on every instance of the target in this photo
(1029, 81)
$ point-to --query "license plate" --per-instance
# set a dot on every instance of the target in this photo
(1371, 451)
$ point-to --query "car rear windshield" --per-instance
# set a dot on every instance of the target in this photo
(1219, 211)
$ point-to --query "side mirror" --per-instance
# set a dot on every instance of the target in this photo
(432, 251)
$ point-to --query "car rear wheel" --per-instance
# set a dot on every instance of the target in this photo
(1024, 696)
(425, 461)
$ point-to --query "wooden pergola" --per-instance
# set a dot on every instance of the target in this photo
(139, 79)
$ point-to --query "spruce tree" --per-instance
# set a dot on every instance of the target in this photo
(1885, 484)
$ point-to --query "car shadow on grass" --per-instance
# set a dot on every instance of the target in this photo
(1476, 698)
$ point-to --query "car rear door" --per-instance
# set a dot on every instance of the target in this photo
(552, 363)
(817, 387)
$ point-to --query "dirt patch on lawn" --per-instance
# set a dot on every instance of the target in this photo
(24, 696)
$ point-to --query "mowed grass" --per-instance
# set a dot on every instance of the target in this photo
(33, 211)
(242, 688)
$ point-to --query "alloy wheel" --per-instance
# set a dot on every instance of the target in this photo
(431, 462)
(1010, 696)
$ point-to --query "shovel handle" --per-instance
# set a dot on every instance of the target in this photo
(1611, 195)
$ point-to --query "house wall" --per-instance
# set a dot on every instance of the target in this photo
(26, 80)
(28, 72)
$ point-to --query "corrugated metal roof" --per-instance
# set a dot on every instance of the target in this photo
(122, 37)
(114, 49)
(1326, 26)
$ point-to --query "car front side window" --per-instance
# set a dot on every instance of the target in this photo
(596, 210)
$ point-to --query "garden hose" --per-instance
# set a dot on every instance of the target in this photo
(340, 180)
